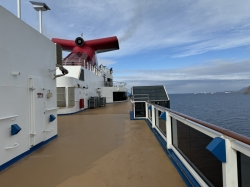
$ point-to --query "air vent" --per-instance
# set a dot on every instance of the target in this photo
(61, 99)
(71, 96)
(58, 55)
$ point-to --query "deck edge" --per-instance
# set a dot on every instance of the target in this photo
(31, 150)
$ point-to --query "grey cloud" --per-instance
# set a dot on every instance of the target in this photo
(216, 67)
(192, 27)
(212, 76)
(195, 86)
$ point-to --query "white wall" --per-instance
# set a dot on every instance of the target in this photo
(91, 83)
(108, 92)
(24, 50)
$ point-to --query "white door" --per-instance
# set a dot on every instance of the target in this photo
(37, 110)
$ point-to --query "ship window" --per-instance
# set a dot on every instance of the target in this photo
(61, 100)
(71, 96)
(243, 169)
(159, 122)
(140, 110)
(81, 77)
(192, 146)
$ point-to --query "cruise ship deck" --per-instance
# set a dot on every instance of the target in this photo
(98, 147)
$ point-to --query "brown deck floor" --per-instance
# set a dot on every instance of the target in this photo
(96, 148)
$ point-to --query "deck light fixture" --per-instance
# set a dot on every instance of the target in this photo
(38, 6)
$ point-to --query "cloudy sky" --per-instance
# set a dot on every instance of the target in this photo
(188, 46)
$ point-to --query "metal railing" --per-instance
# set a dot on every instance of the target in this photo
(188, 138)
(108, 84)
(119, 84)
(114, 84)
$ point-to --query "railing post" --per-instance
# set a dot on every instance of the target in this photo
(157, 118)
(229, 168)
(146, 108)
(153, 116)
(169, 131)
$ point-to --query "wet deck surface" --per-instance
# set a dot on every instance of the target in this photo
(96, 148)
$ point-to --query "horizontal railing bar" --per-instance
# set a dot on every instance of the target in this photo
(8, 117)
(226, 132)
(50, 109)
(241, 147)
(210, 132)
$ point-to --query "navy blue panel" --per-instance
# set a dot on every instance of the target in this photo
(19, 157)
(51, 117)
(15, 129)
(218, 147)
(182, 170)
(150, 107)
(131, 113)
(163, 116)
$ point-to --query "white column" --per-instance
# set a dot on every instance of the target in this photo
(153, 116)
(169, 130)
(229, 169)
(157, 118)
(19, 9)
(146, 107)
(40, 21)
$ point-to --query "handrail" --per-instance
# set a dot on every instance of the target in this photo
(119, 84)
(14, 146)
(226, 132)
(51, 108)
(49, 130)
(8, 117)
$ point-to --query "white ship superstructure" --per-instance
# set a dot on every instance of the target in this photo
(27, 89)
(83, 82)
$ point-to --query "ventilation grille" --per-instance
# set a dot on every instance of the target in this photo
(58, 54)
(61, 100)
(71, 96)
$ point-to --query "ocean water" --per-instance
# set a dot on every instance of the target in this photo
(230, 111)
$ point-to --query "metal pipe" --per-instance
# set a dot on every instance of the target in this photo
(40, 21)
(19, 9)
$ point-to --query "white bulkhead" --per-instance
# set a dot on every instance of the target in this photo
(27, 88)
(83, 83)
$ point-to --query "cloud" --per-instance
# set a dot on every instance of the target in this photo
(217, 75)
(183, 27)
(216, 69)
(106, 62)
(194, 86)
